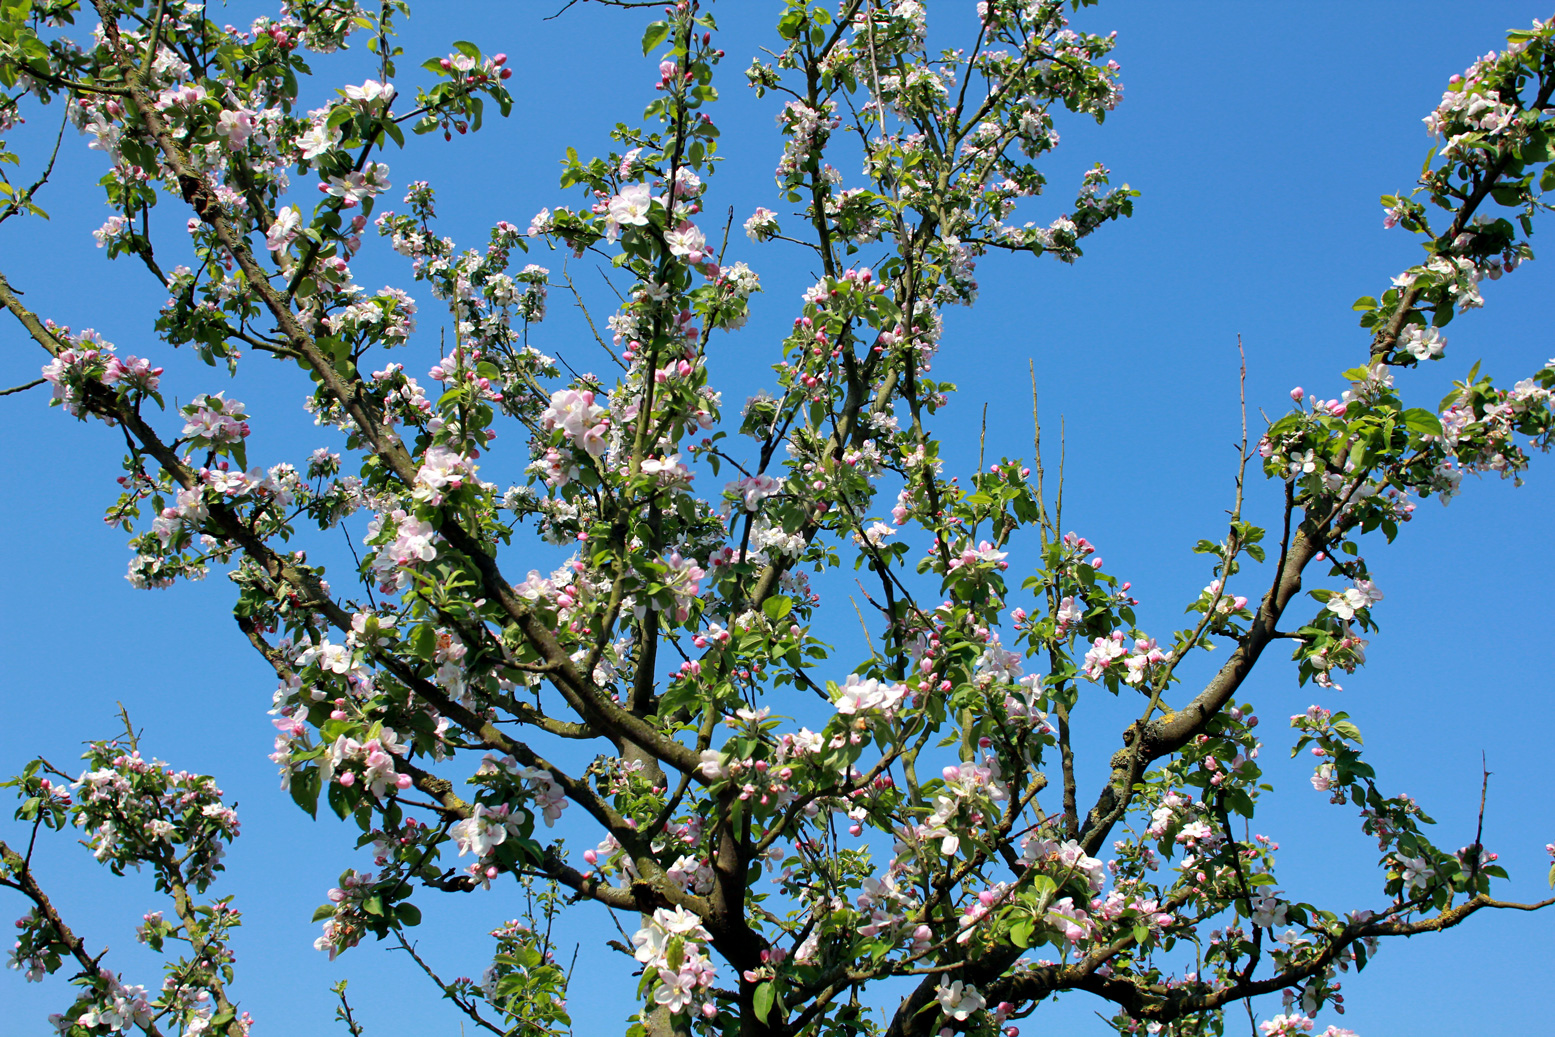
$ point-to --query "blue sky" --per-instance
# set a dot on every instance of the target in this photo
(1260, 136)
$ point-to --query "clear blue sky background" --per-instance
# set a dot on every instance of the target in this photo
(1260, 134)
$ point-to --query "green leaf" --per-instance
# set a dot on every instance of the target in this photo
(1418, 419)
(777, 607)
(338, 800)
(762, 1000)
(654, 35)
(305, 791)
(1507, 194)
(1365, 302)
(408, 914)
(1349, 730)
(424, 642)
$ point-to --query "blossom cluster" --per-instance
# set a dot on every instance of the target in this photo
(672, 948)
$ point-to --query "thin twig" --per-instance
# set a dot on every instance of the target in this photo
(343, 1013)
(23, 388)
(588, 317)
(129, 729)
(860, 613)
(1036, 448)
(468, 1009)
(1479, 830)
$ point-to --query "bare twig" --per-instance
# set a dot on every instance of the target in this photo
(865, 626)
(23, 388)
(464, 1006)
(1479, 830)
(129, 729)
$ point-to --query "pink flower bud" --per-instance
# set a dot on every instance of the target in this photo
(1298, 393)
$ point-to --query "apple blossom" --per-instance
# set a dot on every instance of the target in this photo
(943, 823)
